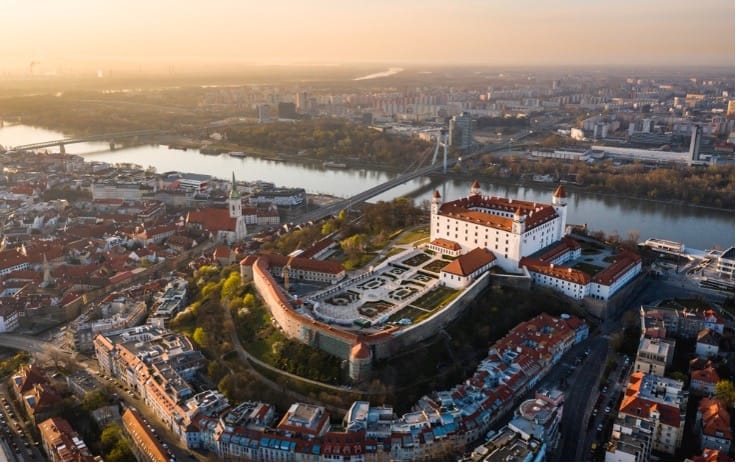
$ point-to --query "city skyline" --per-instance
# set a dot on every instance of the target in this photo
(79, 33)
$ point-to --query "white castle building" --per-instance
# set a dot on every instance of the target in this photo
(482, 231)
(511, 229)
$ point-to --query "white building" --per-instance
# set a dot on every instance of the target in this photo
(511, 229)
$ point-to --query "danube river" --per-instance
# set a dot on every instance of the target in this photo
(696, 227)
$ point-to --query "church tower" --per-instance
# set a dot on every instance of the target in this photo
(559, 203)
(234, 200)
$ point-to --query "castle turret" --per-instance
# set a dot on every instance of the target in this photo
(360, 362)
(234, 200)
(475, 189)
(519, 222)
(559, 203)
(435, 202)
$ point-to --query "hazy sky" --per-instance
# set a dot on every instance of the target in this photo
(495, 32)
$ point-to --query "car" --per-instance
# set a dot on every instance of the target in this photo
(600, 428)
(608, 410)
(605, 389)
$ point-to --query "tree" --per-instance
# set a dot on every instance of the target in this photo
(249, 301)
(93, 400)
(725, 393)
(200, 337)
(109, 437)
(231, 286)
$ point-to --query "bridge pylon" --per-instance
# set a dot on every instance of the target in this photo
(61, 149)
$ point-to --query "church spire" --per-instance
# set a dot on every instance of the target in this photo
(234, 192)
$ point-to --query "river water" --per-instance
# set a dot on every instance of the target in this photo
(696, 227)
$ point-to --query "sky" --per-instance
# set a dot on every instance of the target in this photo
(59, 33)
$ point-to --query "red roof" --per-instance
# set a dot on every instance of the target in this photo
(561, 272)
(715, 418)
(213, 219)
(448, 244)
(634, 405)
(361, 351)
(468, 263)
(624, 262)
(560, 192)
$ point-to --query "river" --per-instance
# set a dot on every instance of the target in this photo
(696, 227)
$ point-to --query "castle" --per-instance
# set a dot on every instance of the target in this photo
(510, 229)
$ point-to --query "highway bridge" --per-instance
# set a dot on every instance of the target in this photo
(405, 177)
(112, 137)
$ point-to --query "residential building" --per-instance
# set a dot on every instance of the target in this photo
(145, 446)
(631, 440)
(62, 443)
(703, 380)
(654, 355)
(713, 425)
(707, 343)
(305, 420)
(660, 400)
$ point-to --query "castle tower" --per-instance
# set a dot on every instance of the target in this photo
(518, 227)
(475, 190)
(435, 203)
(360, 362)
(234, 200)
(559, 203)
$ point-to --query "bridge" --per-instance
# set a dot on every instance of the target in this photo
(101, 137)
(335, 208)
(117, 136)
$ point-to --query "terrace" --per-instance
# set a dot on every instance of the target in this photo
(402, 282)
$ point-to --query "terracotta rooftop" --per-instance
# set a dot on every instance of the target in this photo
(213, 219)
(470, 262)
(448, 244)
(560, 272)
(624, 262)
(715, 418)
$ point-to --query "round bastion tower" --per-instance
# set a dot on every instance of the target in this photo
(360, 362)
(559, 203)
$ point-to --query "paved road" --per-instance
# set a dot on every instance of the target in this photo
(581, 394)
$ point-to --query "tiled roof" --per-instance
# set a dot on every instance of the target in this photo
(448, 244)
(715, 419)
(633, 404)
(470, 262)
(466, 209)
(623, 263)
(213, 219)
(560, 272)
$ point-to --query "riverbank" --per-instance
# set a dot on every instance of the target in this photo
(578, 189)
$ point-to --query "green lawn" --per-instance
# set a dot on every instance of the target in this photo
(436, 298)
(588, 268)
(413, 236)
(416, 315)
